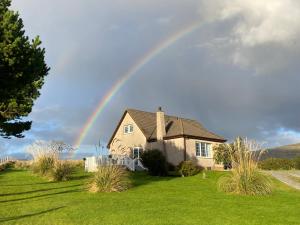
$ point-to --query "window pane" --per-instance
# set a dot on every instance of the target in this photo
(197, 149)
(208, 150)
(130, 128)
(125, 129)
(203, 152)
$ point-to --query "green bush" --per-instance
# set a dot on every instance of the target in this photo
(155, 162)
(276, 164)
(6, 166)
(171, 167)
(110, 178)
(61, 171)
(188, 168)
(297, 163)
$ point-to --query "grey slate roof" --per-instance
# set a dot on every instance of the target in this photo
(175, 126)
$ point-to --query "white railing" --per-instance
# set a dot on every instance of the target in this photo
(5, 159)
(91, 163)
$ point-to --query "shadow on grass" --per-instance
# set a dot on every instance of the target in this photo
(82, 177)
(30, 214)
(142, 178)
(39, 190)
(40, 196)
(28, 184)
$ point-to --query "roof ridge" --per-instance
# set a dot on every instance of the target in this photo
(166, 115)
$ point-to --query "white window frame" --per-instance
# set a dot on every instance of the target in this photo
(140, 149)
(207, 149)
(129, 128)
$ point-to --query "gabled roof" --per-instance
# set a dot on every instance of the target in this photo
(175, 127)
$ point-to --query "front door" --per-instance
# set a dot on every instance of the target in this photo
(136, 151)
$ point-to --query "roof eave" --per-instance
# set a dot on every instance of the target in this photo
(190, 136)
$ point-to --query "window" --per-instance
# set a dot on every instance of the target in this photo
(198, 149)
(136, 152)
(128, 129)
(203, 149)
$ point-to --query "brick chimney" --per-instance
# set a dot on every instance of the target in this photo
(160, 124)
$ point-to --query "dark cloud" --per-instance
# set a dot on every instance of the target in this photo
(233, 84)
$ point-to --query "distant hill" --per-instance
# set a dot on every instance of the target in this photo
(287, 151)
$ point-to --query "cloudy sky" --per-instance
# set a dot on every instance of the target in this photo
(237, 73)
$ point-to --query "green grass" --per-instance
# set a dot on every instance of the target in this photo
(28, 199)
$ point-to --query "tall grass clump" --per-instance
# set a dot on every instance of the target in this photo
(245, 177)
(110, 178)
(43, 164)
(46, 160)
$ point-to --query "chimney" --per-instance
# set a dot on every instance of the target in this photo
(160, 124)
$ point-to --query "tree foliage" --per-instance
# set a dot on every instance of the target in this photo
(222, 155)
(22, 72)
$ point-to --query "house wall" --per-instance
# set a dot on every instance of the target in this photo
(173, 149)
(123, 143)
(201, 161)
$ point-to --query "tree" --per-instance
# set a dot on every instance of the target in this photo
(22, 72)
(222, 155)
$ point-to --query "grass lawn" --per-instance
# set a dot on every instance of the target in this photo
(28, 199)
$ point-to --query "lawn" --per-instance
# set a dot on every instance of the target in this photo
(28, 199)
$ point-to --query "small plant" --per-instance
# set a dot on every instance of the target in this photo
(188, 168)
(61, 171)
(109, 178)
(276, 164)
(245, 178)
(155, 162)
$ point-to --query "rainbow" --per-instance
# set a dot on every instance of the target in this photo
(133, 70)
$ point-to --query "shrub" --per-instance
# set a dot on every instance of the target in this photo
(245, 177)
(22, 164)
(276, 164)
(109, 178)
(43, 164)
(77, 164)
(61, 171)
(6, 165)
(188, 168)
(155, 162)
(297, 163)
(171, 167)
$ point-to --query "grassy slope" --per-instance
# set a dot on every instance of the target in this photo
(27, 199)
(287, 151)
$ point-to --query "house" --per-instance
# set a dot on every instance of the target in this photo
(178, 138)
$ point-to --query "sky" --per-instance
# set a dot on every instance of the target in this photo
(237, 73)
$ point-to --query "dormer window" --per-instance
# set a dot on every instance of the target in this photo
(128, 129)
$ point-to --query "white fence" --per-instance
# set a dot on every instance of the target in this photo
(5, 159)
(91, 163)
